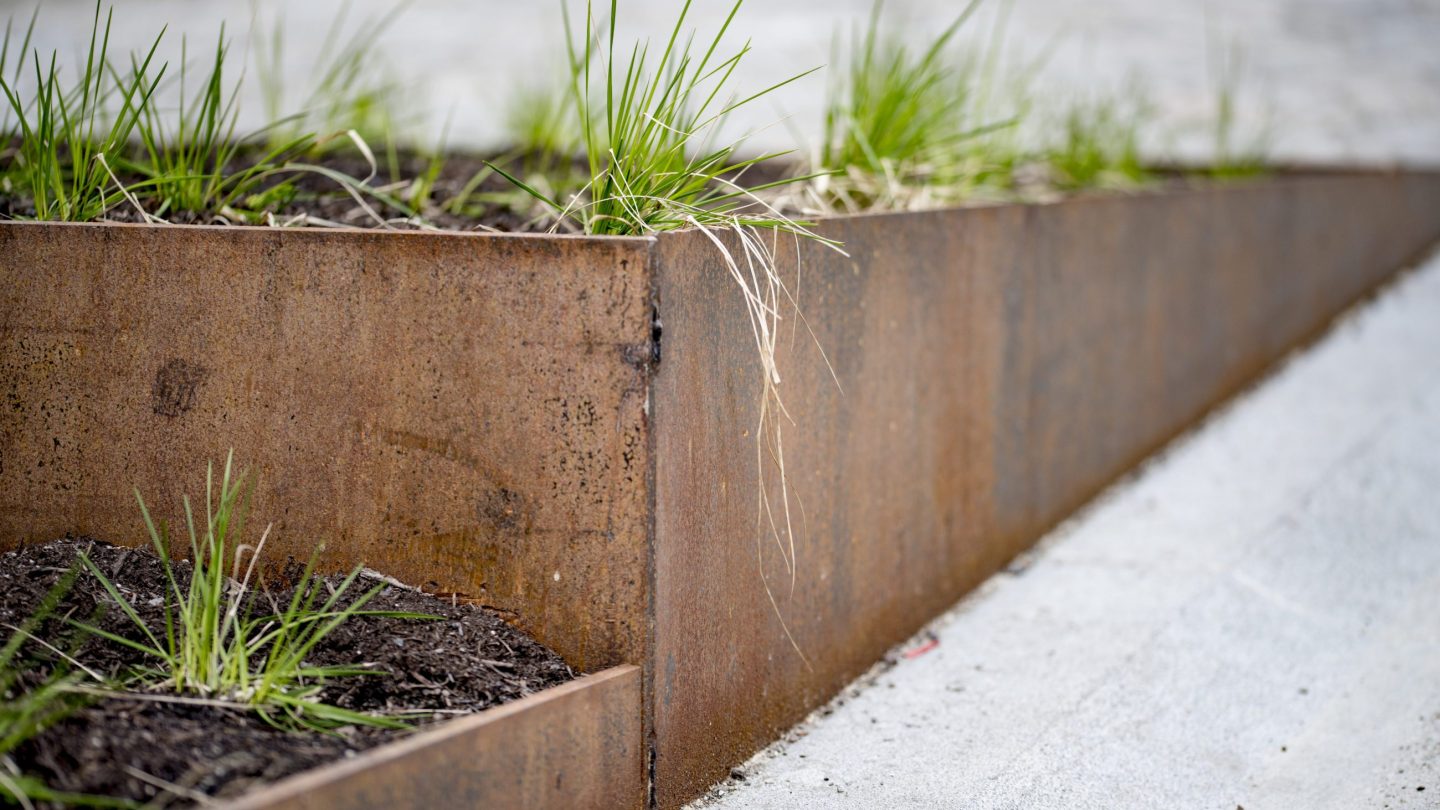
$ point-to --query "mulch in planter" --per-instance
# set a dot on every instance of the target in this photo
(469, 661)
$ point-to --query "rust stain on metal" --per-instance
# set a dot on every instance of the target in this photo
(392, 394)
(574, 746)
(999, 367)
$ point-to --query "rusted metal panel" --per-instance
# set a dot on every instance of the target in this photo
(996, 368)
(574, 746)
(464, 412)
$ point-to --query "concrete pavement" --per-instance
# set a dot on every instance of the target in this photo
(1334, 80)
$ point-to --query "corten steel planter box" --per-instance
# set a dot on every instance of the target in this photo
(578, 745)
(564, 428)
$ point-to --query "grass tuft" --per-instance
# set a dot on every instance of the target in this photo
(894, 119)
(908, 129)
(648, 131)
(71, 136)
(346, 92)
(1097, 143)
(195, 164)
(217, 644)
(79, 150)
(1234, 157)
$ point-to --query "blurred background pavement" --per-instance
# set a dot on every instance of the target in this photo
(1330, 80)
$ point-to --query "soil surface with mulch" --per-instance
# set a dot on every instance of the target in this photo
(177, 755)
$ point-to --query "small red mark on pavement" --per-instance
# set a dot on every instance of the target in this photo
(923, 648)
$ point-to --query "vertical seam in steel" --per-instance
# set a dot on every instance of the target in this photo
(647, 670)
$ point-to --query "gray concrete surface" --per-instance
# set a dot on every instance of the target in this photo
(1251, 621)
(1335, 80)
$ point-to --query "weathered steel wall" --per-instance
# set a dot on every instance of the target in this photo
(996, 368)
(464, 412)
(574, 747)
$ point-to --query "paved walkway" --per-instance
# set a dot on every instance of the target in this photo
(1253, 621)
(1335, 79)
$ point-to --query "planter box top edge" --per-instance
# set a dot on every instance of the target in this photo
(1298, 177)
(1285, 168)
(307, 783)
(333, 233)
(1282, 177)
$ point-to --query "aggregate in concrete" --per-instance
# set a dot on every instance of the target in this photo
(1249, 622)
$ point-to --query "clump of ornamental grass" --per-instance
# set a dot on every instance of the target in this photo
(907, 128)
(71, 136)
(220, 645)
(79, 150)
(1097, 143)
(350, 99)
(346, 92)
(36, 693)
(195, 162)
(649, 132)
(655, 160)
(1235, 157)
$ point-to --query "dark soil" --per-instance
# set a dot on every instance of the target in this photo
(485, 210)
(133, 747)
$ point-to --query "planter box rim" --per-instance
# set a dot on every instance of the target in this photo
(1284, 176)
(315, 779)
(321, 233)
